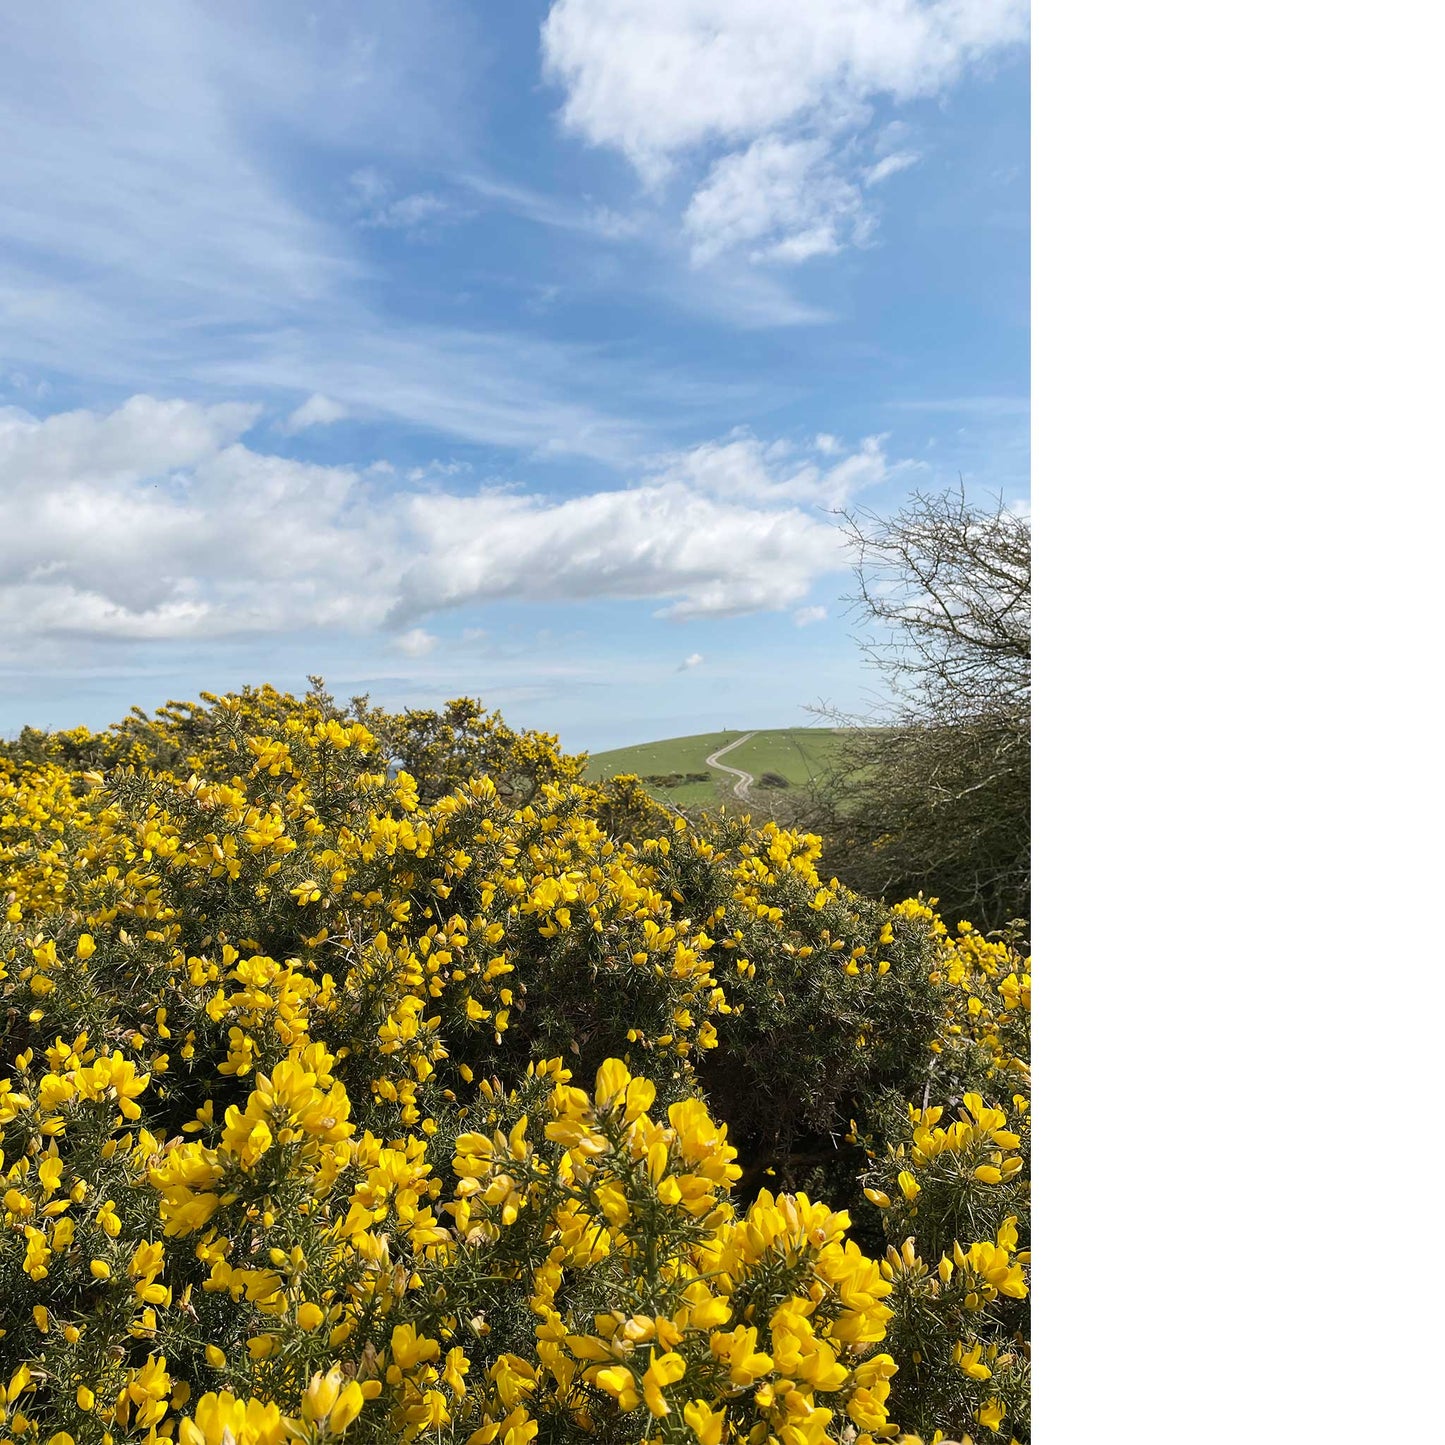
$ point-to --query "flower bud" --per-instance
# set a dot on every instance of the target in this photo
(321, 1395)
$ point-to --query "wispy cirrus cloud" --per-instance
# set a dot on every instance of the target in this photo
(414, 212)
(155, 179)
(985, 406)
(153, 237)
(316, 410)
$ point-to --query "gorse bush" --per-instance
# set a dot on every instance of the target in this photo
(347, 1100)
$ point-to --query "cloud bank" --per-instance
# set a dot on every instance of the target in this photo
(157, 521)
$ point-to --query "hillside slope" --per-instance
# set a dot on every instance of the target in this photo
(795, 754)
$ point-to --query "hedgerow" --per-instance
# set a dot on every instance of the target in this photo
(480, 1104)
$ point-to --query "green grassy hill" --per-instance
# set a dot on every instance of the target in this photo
(796, 754)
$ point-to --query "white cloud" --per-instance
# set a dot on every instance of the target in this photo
(652, 78)
(693, 659)
(740, 295)
(786, 91)
(806, 616)
(377, 206)
(498, 389)
(142, 438)
(158, 236)
(155, 521)
(986, 406)
(104, 178)
(416, 642)
(784, 200)
(549, 210)
(698, 554)
(410, 213)
(742, 468)
(890, 165)
(316, 410)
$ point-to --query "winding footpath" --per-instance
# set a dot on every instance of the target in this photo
(744, 780)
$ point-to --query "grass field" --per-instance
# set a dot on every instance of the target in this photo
(796, 754)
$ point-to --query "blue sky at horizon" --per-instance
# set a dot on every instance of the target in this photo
(521, 351)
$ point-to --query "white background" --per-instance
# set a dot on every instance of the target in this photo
(1237, 476)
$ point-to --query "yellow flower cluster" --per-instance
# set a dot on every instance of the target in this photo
(262, 1181)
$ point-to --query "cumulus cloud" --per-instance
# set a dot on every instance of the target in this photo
(156, 521)
(652, 78)
(316, 410)
(144, 437)
(416, 642)
(692, 660)
(699, 554)
(784, 200)
(743, 468)
(783, 89)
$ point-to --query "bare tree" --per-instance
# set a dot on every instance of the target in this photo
(932, 794)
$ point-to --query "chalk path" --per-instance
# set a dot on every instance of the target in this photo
(744, 780)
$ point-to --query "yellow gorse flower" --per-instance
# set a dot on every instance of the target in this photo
(294, 1139)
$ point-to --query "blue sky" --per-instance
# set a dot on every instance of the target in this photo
(518, 350)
